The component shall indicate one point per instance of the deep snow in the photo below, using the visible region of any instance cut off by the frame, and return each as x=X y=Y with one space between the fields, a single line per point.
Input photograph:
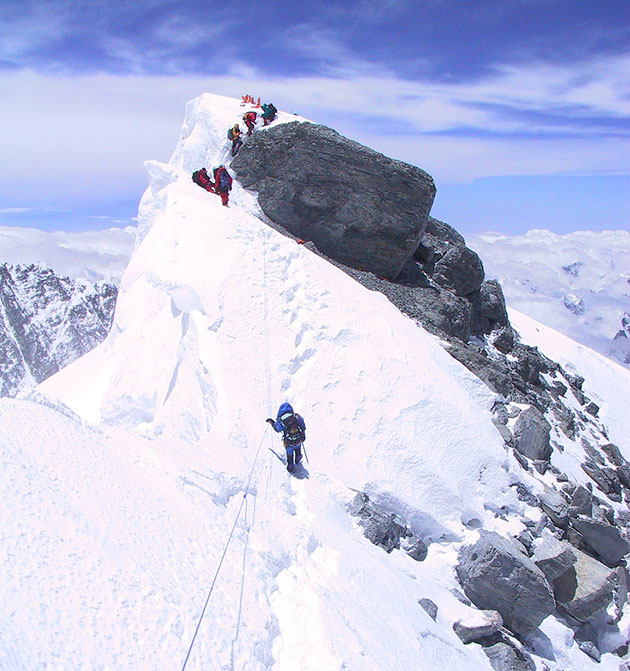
x=124 y=473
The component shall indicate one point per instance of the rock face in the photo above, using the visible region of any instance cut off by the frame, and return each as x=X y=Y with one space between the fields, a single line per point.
x=586 y=588
x=553 y=557
x=496 y=576
x=532 y=435
x=46 y=322
x=602 y=538
x=358 y=206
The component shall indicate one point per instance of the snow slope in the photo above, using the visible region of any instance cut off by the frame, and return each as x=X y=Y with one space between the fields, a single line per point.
x=578 y=284
x=127 y=471
x=98 y=256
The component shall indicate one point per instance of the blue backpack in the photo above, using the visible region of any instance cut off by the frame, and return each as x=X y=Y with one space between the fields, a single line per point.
x=224 y=179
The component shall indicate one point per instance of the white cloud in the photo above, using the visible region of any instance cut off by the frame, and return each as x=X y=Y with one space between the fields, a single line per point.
x=89 y=134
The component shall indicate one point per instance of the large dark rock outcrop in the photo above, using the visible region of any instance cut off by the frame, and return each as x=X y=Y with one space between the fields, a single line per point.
x=358 y=206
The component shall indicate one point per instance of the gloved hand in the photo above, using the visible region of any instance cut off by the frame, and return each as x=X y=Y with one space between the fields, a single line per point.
x=270 y=421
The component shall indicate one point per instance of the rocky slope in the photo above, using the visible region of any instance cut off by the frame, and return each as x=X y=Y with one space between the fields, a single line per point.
x=46 y=322
x=569 y=558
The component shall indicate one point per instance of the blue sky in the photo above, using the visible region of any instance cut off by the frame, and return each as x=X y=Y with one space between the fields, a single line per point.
x=518 y=108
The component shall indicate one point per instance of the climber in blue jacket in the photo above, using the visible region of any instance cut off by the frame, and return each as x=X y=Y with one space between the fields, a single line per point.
x=293 y=430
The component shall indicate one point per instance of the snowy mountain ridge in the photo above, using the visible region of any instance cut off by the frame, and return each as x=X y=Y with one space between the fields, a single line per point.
x=115 y=523
x=47 y=321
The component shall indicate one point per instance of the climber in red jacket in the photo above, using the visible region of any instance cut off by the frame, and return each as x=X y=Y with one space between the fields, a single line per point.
x=222 y=183
x=250 y=121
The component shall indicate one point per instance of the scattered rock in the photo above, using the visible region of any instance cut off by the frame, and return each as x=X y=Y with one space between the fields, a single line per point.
x=460 y=270
x=592 y=409
x=613 y=454
x=495 y=575
x=480 y=624
x=503 y=339
x=504 y=655
x=429 y=606
x=589 y=648
x=623 y=473
x=581 y=503
x=531 y=433
x=523 y=493
x=383 y=529
x=379 y=527
x=605 y=478
x=415 y=547
x=460 y=597
x=592 y=453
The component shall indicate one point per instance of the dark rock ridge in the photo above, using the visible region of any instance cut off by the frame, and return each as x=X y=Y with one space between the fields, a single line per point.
x=358 y=206
x=46 y=322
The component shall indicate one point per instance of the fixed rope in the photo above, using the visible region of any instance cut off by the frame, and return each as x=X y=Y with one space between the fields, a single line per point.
x=225 y=549
x=251 y=473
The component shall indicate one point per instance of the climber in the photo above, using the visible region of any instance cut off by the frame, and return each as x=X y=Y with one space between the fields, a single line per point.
x=222 y=183
x=234 y=134
x=202 y=178
x=250 y=121
x=293 y=430
x=269 y=113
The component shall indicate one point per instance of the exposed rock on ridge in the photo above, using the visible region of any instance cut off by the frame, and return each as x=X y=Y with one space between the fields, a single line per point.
x=358 y=206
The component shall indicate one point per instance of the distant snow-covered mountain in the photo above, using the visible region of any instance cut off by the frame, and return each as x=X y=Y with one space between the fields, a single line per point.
x=57 y=296
x=578 y=283
x=46 y=322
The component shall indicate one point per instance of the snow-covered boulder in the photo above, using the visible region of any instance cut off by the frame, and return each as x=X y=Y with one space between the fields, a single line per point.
x=479 y=624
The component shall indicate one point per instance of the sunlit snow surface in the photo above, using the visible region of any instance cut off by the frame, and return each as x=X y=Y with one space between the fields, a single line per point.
x=578 y=283
x=123 y=474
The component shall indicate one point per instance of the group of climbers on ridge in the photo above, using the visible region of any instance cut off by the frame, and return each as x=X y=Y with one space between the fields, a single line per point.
x=250 y=118
x=222 y=184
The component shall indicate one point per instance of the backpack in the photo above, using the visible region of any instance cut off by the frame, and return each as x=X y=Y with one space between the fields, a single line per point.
x=272 y=107
x=230 y=135
x=293 y=432
x=224 y=179
x=195 y=177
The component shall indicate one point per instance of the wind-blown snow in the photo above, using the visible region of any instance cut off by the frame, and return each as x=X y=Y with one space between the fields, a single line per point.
x=124 y=475
x=578 y=283
x=99 y=256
